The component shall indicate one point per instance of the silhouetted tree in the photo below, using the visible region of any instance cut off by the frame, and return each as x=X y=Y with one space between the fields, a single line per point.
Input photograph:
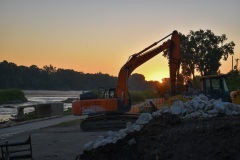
x=137 y=82
x=49 y=69
x=203 y=50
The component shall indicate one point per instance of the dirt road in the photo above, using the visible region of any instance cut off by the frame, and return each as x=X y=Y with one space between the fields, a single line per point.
x=58 y=142
x=34 y=124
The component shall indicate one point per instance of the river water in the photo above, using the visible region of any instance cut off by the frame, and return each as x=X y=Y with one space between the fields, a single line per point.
x=36 y=97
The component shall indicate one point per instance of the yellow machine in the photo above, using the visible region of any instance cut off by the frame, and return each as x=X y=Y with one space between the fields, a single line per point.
x=212 y=86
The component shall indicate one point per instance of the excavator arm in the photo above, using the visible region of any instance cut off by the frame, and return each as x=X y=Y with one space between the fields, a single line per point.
x=109 y=111
x=138 y=59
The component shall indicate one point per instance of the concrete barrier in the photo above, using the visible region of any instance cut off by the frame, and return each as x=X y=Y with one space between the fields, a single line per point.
x=49 y=109
x=43 y=110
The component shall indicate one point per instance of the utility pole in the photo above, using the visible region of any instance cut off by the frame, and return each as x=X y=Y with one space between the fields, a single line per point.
x=236 y=66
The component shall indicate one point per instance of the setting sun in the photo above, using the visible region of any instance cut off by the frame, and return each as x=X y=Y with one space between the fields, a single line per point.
x=157 y=76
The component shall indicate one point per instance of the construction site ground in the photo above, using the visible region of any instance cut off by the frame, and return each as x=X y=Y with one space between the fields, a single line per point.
x=56 y=142
x=169 y=137
x=166 y=137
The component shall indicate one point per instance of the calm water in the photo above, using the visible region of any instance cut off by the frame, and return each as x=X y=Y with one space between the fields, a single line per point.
x=35 y=97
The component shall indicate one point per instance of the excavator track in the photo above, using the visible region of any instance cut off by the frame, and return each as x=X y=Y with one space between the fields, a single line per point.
x=107 y=122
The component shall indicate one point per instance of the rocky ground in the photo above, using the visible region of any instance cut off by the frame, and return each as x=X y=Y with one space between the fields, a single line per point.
x=169 y=137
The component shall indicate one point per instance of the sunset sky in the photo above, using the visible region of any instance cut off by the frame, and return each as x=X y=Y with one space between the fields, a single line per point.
x=99 y=35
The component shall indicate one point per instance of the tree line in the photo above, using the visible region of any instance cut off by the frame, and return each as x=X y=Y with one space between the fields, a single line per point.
x=51 y=78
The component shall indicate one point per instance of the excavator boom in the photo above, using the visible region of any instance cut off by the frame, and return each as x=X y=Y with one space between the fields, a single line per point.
x=138 y=59
x=116 y=102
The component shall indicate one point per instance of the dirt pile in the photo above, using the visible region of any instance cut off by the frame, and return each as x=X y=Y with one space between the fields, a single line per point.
x=170 y=137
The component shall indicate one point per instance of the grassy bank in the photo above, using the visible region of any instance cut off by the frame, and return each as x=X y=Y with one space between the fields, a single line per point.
x=12 y=96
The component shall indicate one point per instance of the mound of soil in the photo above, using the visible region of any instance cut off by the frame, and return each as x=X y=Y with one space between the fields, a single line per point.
x=169 y=137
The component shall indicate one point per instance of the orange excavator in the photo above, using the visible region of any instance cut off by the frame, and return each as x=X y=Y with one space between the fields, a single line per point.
x=109 y=109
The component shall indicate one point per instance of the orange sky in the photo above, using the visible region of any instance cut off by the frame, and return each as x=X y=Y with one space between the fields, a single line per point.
x=99 y=36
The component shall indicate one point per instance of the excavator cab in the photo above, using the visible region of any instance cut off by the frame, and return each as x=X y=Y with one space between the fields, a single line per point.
x=106 y=92
x=215 y=87
x=109 y=93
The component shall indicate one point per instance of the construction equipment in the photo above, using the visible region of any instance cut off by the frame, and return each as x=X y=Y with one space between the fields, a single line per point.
x=111 y=107
x=215 y=87
x=212 y=86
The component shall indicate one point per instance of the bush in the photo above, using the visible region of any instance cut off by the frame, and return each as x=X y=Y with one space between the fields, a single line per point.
x=141 y=96
x=12 y=95
x=30 y=116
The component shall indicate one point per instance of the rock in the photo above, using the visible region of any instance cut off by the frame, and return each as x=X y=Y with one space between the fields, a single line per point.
x=212 y=112
x=184 y=111
x=235 y=113
x=203 y=97
x=137 y=127
x=219 y=106
x=111 y=133
x=129 y=127
x=190 y=111
x=189 y=104
x=167 y=111
x=156 y=114
x=196 y=102
x=232 y=107
x=144 y=118
x=122 y=133
x=202 y=105
x=177 y=110
x=208 y=106
x=89 y=145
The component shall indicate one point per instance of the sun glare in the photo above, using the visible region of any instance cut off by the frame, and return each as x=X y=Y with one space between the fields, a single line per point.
x=160 y=80
x=156 y=75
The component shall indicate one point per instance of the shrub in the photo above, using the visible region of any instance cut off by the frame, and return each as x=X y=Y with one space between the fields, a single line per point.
x=12 y=95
